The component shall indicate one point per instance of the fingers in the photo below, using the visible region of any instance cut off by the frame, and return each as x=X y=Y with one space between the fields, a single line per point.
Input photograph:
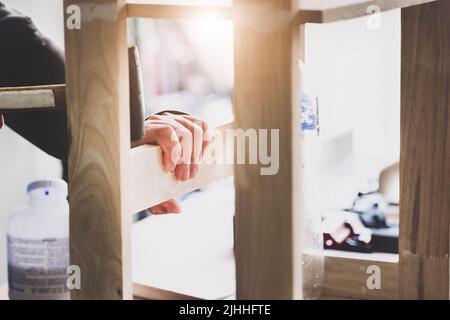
x=205 y=128
x=175 y=141
x=182 y=171
x=196 y=133
x=183 y=140
x=171 y=206
x=165 y=136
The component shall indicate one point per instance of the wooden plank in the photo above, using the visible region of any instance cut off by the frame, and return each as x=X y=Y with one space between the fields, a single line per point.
x=425 y=152
x=323 y=11
x=98 y=116
x=155 y=11
x=32 y=98
x=311 y=11
x=268 y=261
x=152 y=184
x=346 y=276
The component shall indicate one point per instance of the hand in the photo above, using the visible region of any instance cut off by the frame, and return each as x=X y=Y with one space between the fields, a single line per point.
x=183 y=139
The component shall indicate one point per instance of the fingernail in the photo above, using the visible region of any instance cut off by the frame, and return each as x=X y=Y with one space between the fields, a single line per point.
x=186 y=174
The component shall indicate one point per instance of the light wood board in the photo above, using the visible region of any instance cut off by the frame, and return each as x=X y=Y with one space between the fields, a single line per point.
x=152 y=184
x=310 y=11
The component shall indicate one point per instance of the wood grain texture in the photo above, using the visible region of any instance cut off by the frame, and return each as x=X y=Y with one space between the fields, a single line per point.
x=15 y=99
x=152 y=184
x=268 y=261
x=155 y=11
x=425 y=152
x=346 y=276
x=98 y=116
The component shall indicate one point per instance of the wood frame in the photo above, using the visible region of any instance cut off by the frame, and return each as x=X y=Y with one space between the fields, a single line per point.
x=103 y=169
x=249 y=99
x=309 y=11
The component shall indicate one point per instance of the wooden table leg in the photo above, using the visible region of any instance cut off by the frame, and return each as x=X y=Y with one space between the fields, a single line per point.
x=425 y=152
x=98 y=112
x=268 y=253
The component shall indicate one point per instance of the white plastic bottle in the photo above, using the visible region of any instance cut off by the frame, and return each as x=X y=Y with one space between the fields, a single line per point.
x=38 y=244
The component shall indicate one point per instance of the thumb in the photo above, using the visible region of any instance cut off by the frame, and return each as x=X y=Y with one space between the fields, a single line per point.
x=2 y=122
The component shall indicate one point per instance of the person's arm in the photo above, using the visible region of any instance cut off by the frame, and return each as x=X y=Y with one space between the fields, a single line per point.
x=28 y=58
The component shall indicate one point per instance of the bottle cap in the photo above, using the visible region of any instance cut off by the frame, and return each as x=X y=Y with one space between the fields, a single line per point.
x=57 y=185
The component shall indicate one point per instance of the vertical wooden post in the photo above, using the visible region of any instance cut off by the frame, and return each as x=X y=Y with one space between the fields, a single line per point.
x=98 y=113
x=268 y=225
x=425 y=152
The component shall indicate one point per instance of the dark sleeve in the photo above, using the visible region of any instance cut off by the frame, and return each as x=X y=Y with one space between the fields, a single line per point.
x=27 y=58
x=170 y=111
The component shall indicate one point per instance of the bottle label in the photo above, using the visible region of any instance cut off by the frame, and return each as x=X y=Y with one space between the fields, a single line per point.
x=310 y=114
x=37 y=269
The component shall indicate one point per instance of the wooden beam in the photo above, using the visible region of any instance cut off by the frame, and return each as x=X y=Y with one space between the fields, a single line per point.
x=98 y=116
x=311 y=11
x=268 y=259
x=155 y=11
x=152 y=184
x=425 y=152
x=324 y=11
x=32 y=98
x=347 y=275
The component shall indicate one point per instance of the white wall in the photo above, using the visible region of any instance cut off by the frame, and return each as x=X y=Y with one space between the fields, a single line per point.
x=46 y=14
x=355 y=72
x=21 y=162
